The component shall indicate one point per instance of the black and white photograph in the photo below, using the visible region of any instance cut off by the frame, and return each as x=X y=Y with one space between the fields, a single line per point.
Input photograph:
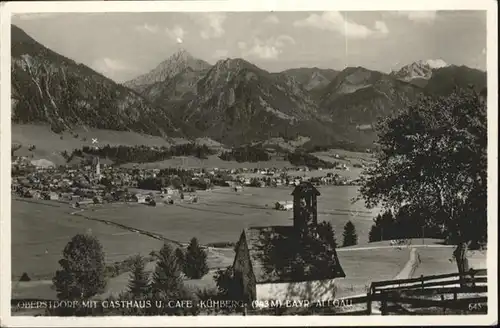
x=249 y=163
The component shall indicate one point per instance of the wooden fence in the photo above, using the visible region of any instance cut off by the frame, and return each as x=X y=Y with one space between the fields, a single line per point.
x=437 y=294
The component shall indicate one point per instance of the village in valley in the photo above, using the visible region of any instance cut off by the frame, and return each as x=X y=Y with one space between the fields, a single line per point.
x=97 y=183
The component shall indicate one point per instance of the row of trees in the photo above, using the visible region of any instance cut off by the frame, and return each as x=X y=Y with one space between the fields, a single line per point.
x=175 y=182
x=142 y=154
x=300 y=158
x=406 y=223
x=83 y=275
x=246 y=154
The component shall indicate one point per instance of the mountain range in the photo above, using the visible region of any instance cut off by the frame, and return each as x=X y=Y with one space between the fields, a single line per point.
x=233 y=101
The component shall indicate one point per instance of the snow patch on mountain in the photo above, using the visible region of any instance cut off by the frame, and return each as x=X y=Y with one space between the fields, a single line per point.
x=421 y=69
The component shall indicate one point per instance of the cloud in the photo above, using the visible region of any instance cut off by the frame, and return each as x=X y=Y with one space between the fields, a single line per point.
x=148 y=28
x=109 y=66
x=176 y=33
x=212 y=25
x=220 y=53
x=381 y=27
x=419 y=16
x=272 y=19
x=266 y=49
x=335 y=21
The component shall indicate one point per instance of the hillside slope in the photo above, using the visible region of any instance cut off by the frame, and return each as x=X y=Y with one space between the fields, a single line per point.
x=236 y=102
x=50 y=88
x=358 y=96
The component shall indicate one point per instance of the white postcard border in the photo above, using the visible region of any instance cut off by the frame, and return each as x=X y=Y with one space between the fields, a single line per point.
x=7 y=9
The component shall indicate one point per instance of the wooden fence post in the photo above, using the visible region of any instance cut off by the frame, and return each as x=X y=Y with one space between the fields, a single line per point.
x=472 y=274
x=422 y=282
x=383 y=304
x=369 y=296
x=444 y=306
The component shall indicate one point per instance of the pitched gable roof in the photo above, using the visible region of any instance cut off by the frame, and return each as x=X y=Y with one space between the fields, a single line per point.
x=274 y=256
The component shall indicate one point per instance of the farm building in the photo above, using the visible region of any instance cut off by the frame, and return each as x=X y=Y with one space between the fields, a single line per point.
x=284 y=206
x=268 y=267
x=84 y=202
x=141 y=199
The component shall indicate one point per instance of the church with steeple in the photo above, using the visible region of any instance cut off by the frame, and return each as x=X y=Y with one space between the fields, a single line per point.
x=271 y=262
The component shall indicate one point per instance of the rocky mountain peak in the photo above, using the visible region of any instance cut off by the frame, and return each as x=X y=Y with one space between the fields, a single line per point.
x=176 y=63
x=420 y=69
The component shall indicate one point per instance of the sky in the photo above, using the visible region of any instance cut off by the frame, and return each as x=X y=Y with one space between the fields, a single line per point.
x=122 y=46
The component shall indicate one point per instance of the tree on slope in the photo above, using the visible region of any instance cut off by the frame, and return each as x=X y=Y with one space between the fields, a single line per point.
x=350 y=235
x=139 y=285
x=327 y=234
x=181 y=258
x=82 y=274
x=167 y=282
x=167 y=278
x=195 y=260
x=432 y=155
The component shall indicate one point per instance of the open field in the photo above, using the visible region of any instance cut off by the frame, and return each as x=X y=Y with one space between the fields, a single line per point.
x=438 y=261
x=40 y=232
x=221 y=214
x=346 y=157
x=41 y=229
x=49 y=144
x=365 y=266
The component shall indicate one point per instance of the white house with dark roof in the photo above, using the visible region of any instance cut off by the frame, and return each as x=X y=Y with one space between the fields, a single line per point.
x=272 y=263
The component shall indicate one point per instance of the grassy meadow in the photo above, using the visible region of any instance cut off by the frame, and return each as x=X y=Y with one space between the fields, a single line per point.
x=41 y=229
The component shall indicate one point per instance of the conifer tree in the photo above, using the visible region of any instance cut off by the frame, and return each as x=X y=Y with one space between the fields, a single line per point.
x=350 y=235
x=167 y=280
x=167 y=283
x=196 y=261
x=139 y=285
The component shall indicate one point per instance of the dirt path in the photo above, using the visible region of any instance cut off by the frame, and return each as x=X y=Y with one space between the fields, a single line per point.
x=410 y=266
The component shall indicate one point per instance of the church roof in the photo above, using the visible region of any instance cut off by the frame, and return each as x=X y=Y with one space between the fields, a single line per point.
x=273 y=254
x=306 y=188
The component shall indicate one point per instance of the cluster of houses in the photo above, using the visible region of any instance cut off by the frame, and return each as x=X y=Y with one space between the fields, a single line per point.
x=97 y=183
x=287 y=180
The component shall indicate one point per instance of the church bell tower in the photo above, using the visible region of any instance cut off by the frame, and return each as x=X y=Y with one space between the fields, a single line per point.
x=305 y=206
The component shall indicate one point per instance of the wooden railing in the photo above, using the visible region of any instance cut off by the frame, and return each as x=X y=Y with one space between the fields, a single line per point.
x=419 y=292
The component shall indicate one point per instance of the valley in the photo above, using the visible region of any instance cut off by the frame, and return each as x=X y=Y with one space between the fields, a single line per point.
x=207 y=150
